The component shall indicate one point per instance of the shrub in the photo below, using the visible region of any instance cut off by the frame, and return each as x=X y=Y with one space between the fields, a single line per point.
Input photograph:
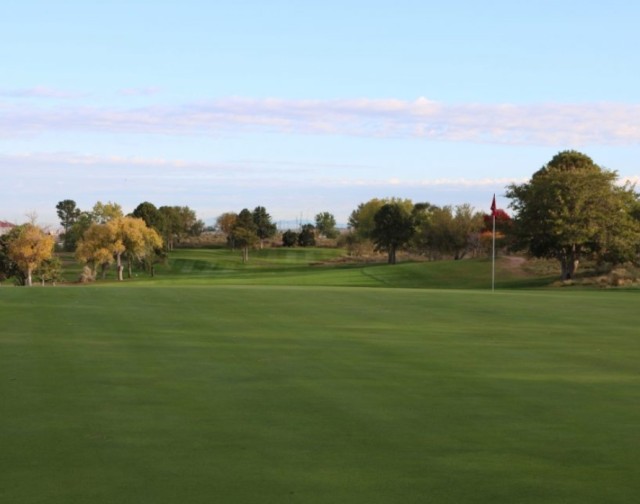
x=289 y=238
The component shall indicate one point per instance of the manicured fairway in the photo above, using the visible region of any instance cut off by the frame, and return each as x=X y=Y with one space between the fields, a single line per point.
x=201 y=394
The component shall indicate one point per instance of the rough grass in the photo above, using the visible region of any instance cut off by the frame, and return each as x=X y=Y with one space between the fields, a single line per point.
x=268 y=394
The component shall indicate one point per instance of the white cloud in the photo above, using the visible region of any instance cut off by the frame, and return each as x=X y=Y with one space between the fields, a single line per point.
x=157 y=169
x=153 y=168
x=41 y=179
x=545 y=124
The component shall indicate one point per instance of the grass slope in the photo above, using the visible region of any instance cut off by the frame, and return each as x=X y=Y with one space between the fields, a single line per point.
x=272 y=394
x=322 y=267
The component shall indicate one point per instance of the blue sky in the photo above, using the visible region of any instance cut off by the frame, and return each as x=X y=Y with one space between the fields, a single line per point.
x=305 y=107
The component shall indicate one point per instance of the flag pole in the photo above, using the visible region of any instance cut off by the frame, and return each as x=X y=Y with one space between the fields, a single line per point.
x=493 y=247
x=493 y=254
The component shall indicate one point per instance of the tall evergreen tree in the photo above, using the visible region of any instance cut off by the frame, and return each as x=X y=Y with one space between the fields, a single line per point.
x=68 y=214
x=264 y=227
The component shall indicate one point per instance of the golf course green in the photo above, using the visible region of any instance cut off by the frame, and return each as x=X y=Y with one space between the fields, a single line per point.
x=296 y=379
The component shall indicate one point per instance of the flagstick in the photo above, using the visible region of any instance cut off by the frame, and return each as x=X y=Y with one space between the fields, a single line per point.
x=493 y=255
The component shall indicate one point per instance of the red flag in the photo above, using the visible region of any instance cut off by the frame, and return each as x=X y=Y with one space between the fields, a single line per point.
x=493 y=206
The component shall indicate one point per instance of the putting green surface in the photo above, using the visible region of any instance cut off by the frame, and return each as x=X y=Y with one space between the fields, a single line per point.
x=199 y=394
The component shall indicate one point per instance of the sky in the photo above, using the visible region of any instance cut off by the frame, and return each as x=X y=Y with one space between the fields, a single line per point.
x=306 y=107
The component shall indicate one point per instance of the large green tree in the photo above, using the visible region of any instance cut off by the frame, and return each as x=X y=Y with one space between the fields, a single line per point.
x=265 y=228
x=326 y=225
x=307 y=236
x=104 y=212
x=362 y=222
x=572 y=208
x=179 y=222
x=150 y=214
x=244 y=233
x=447 y=231
x=77 y=230
x=289 y=238
x=154 y=219
x=68 y=213
x=393 y=228
x=8 y=268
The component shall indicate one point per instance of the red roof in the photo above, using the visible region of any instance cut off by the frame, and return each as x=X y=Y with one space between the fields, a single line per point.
x=5 y=224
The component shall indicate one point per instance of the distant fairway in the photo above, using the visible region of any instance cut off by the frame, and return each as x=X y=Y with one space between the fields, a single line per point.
x=160 y=392
x=325 y=267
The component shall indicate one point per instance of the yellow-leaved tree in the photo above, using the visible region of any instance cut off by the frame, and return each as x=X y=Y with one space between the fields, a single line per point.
x=29 y=249
x=138 y=240
x=96 y=248
x=104 y=244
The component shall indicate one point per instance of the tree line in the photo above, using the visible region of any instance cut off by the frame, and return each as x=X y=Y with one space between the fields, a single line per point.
x=99 y=238
x=248 y=229
x=569 y=210
x=172 y=223
x=390 y=225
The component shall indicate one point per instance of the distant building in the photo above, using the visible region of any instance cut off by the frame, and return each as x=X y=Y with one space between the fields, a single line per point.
x=5 y=227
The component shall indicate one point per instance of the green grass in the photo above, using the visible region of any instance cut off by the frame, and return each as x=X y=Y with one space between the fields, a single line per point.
x=161 y=393
x=322 y=267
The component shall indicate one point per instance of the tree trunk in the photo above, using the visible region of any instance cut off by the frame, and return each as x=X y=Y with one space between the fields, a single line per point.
x=392 y=255
x=569 y=261
x=129 y=266
x=459 y=255
x=119 y=267
x=569 y=267
x=29 y=283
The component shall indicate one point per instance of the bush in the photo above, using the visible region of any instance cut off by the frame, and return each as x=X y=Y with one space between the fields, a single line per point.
x=307 y=236
x=87 y=275
x=356 y=246
x=289 y=238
